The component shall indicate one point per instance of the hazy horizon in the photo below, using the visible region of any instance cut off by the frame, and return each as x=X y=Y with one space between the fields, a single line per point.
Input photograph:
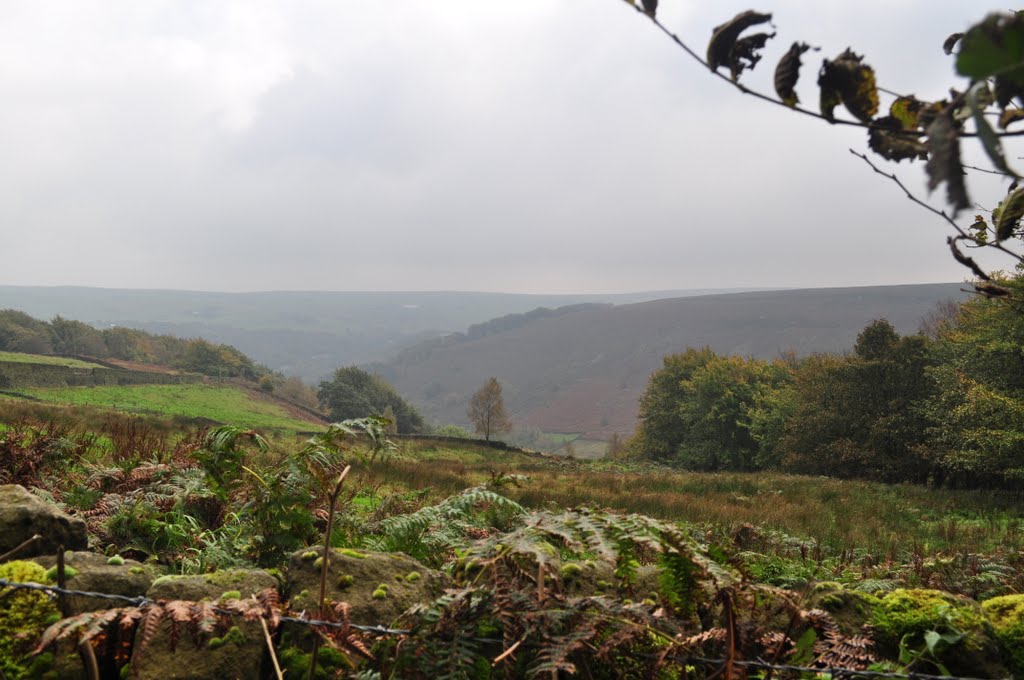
x=248 y=145
x=557 y=293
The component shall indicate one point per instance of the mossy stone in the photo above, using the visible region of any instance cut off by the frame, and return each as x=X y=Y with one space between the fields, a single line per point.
x=354 y=576
x=94 y=572
x=909 y=614
x=24 y=615
x=850 y=609
x=1006 y=614
x=210 y=586
x=238 y=653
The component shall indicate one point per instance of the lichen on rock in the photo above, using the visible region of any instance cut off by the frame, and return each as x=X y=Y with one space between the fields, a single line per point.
x=24 y=615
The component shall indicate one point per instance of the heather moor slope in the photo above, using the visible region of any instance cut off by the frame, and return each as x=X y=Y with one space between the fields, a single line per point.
x=582 y=370
x=305 y=334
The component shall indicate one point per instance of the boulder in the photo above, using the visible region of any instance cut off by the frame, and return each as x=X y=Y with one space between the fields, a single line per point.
x=23 y=515
x=235 y=655
x=101 y=574
x=904 y=617
x=377 y=586
x=1006 y=615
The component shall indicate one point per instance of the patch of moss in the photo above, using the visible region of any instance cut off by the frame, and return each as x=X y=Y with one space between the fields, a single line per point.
x=349 y=552
x=1006 y=614
x=850 y=609
x=413 y=577
x=295 y=663
x=227 y=577
x=345 y=581
x=231 y=595
x=234 y=636
x=115 y=560
x=310 y=555
x=24 y=615
x=914 y=612
x=51 y=573
x=571 y=570
x=136 y=570
x=379 y=594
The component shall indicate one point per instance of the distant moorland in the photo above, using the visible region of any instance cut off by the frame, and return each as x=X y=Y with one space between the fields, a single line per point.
x=584 y=371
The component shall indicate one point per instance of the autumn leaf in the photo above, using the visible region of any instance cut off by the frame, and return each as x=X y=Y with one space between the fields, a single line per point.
x=787 y=72
x=1006 y=216
x=1010 y=116
x=994 y=47
x=950 y=42
x=907 y=110
x=721 y=49
x=1006 y=90
x=888 y=139
x=849 y=81
x=929 y=112
x=944 y=161
x=980 y=229
x=744 y=53
x=978 y=98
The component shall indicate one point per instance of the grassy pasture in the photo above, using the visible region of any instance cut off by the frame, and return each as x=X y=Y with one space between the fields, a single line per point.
x=19 y=358
x=218 y=403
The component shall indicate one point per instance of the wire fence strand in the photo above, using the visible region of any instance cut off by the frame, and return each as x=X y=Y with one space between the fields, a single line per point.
x=834 y=673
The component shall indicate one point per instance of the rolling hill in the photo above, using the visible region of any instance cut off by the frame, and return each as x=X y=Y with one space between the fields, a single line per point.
x=582 y=370
x=305 y=334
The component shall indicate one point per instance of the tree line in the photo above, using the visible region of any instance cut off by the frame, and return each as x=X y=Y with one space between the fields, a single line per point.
x=943 y=406
x=350 y=392
x=20 y=332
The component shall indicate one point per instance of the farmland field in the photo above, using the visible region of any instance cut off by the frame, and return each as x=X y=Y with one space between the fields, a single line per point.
x=20 y=358
x=218 y=403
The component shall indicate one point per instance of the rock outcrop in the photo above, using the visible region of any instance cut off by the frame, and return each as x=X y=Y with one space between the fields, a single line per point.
x=23 y=515
x=235 y=655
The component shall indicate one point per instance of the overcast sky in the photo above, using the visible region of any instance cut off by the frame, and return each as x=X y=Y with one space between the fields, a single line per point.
x=521 y=146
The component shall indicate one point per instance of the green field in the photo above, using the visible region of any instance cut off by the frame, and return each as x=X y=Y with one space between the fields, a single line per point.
x=222 y=404
x=19 y=358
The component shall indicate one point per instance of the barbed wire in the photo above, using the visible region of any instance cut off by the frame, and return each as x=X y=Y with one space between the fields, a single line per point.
x=141 y=601
x=834 y=673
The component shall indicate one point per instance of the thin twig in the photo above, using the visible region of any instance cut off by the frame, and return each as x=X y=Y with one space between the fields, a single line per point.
x=986 y=170
x=963 y=235
x=912 y=197
x=62 y=582
x=270 y=648
x=326 y=558
x=92 y=667
x=778 y=102
x=508 y=652
x=21 y=546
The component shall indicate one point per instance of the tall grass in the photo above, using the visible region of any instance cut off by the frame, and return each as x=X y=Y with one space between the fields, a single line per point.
x=836 y=515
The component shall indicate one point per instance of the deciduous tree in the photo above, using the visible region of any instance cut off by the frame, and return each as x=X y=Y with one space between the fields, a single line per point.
x=487 y=410
x=355 y=393
x=697 y=409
